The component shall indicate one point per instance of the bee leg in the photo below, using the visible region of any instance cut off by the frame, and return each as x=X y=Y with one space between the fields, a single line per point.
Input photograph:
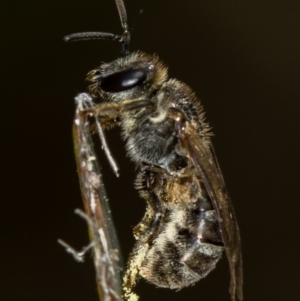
x=131 y=275
x=114 y=110
x=110 y=113
x=148 y=179
x=136 y=260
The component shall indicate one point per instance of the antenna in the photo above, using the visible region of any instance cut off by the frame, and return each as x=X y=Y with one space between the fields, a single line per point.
x=124 y=39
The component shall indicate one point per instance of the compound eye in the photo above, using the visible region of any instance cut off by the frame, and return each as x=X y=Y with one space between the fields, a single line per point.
x=123 y=80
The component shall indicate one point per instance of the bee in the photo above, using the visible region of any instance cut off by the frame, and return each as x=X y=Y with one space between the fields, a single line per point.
x=189 y=218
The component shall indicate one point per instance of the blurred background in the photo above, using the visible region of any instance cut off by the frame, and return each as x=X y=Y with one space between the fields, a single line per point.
x=242 y=58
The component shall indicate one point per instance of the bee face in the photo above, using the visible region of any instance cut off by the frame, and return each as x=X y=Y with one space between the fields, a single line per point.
x=135 y=76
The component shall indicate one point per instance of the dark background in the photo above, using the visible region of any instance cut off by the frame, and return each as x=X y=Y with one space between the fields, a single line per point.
x=242 y=60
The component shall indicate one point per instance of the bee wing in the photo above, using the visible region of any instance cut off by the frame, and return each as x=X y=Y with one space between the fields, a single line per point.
x=205 y=162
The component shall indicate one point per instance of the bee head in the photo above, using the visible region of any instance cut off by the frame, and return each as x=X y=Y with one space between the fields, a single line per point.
x=134 y=76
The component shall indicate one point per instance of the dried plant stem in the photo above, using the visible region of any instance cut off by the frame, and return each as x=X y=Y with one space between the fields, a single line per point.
x=97 y=213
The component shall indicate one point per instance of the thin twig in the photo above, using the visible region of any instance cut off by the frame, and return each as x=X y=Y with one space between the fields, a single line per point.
x=97 y=213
